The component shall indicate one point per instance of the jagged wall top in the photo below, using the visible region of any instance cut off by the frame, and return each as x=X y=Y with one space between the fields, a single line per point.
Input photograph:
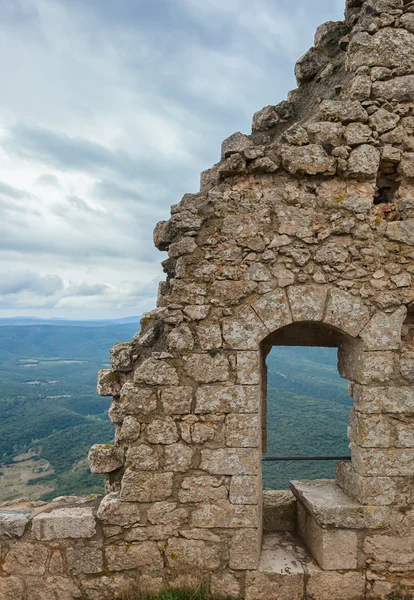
x=352 y=110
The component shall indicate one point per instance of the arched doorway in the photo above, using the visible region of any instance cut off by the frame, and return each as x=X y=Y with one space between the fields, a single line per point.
x=306 y=410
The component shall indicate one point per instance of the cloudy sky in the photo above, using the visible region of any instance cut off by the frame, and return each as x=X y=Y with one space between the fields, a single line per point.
x=110 y=109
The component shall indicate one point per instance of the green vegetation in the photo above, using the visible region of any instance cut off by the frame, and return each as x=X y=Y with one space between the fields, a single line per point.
x=170 y=594
x=48 y=402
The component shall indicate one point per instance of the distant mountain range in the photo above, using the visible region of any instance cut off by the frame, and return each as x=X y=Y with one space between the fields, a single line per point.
x=27 y=321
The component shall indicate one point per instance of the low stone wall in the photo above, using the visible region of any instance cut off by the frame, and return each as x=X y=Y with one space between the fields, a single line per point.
x=76 y=548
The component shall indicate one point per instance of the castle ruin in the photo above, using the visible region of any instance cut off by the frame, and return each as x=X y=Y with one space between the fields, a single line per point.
x=302 y=234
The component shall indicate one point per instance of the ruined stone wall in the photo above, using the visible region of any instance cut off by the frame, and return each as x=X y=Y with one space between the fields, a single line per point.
x=305 y=225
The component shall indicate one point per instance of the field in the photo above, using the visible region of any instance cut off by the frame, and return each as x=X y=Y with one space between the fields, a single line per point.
x=50 y=413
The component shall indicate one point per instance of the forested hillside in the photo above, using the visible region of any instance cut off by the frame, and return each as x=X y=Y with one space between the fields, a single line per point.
x=50 y=413
x=49 y=405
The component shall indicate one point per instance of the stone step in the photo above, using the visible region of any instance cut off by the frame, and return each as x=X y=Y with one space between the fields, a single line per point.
x=288 y=572
x=331 y=507
x=329 y=521
x=279 y=510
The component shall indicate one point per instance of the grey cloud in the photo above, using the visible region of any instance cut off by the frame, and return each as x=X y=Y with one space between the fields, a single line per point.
x=87 y=289
x=79 y=154
x=48 y=179
x=12 y=192
x=29 y=281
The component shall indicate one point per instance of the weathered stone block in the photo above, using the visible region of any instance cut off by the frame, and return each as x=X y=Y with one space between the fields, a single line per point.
x=109 y=383
x=156 y=372
x=388 y=47
x=364 y=162
x=112 y=511
x=236 y=143
x=283 y=579
x=11 y=588
x=167 y=513
x=180 y=338
x=105 y=458
x=334 y=549
x=202 y=489
x=64 y=523
x=307 y=302
x=178 y=457
x=230 y=461
x=145 y=456
x=248 y=368
x=327 y=503
x=121 y=356
x=197 y=554
x=122 y=557
x=376 y=491
x=42 y=588
x=279 y=510
x=357 y=133
x=245 y=330
x=346 y=312
x=85 y=559
x=176 y=400
x=396 y=551
x=224 y=514
x=326 y=585
x=162 y=431
x=244 y=549
x=371 y=431
x=325 y=133
x=381 y=399
x=377 y=462
x=273 y=310
x=209 y=336
x=244 y=489
x=205 y=368
x=398 y=89
x=401 y=231
x=344 y=111
x=383 y=332
x=137 y=400
x=227 y=399
x=129 y=430
x=13 y=522
x=242 y=431
x=223 y=585
x=145 y=486
x=310 y=160
x=367 y=367
x=264 y=119
x=26 y=558
x=407 y=366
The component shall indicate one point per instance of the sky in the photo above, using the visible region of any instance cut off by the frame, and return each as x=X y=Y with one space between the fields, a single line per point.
x=109 y=111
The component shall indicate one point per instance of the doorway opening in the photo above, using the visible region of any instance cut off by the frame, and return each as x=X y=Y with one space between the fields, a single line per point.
x=306 y=411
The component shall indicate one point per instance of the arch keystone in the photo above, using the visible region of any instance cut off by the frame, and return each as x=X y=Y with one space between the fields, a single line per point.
x=307 y=302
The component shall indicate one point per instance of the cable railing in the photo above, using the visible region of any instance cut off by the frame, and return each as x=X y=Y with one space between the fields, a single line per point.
x=292 y=458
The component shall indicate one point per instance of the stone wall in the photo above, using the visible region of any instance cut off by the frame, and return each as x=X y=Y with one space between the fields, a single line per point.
x=304 y=232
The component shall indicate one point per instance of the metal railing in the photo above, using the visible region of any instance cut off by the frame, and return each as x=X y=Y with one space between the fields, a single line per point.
x=289 y=458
